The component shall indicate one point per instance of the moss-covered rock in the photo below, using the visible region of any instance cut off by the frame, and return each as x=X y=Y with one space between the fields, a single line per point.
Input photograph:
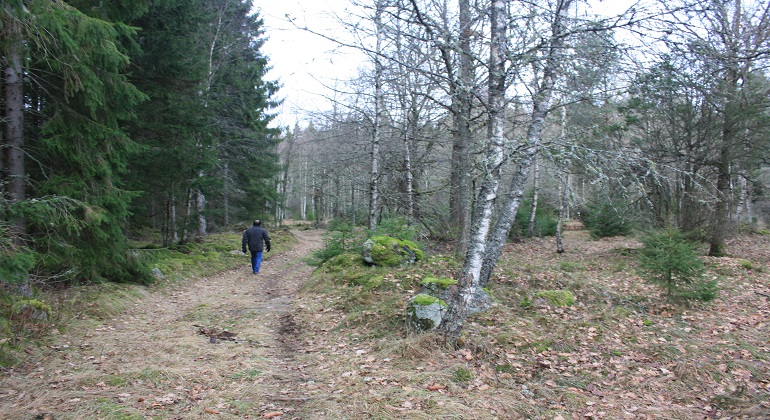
x=424 y=313
x=31 y=309
x=390 y=252
x=437 y=287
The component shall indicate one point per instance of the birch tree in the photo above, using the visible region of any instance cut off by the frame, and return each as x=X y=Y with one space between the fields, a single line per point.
x=548 y=70
x=468 y=297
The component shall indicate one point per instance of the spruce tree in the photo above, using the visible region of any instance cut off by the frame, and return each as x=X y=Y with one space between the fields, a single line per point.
x=77 y=98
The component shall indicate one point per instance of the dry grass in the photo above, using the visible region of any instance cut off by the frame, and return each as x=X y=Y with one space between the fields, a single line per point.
x=330 y=351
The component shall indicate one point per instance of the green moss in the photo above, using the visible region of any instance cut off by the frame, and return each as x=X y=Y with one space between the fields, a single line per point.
x=570 y=267
x=33 y=305
x=392 y=252
x=557 y=297
x=442 y=283
x=424 y=300
x=746 y=264
x=343 y=262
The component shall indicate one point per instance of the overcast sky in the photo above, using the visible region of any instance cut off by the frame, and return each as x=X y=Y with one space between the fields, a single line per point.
x=303 y=62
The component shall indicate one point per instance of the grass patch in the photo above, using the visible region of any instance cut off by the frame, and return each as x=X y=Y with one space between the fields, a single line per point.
x=112 y=410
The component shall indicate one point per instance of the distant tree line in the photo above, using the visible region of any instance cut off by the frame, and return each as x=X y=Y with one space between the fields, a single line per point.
x=654 y=116
x=145 y=118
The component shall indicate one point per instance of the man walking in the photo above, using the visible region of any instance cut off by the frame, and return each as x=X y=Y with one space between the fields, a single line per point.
x=253 y=237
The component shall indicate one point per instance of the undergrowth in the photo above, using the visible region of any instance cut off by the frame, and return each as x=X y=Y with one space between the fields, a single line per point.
x=617 y=332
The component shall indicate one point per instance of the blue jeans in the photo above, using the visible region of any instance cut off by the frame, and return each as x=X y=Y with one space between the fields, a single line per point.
x=256 y=261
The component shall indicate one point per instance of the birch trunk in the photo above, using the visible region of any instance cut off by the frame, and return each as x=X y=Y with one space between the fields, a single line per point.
x=563 y=189
x=560 y=221
x=467 y=297
x=540 y=108
x=535 y=189
x=412 y=133
x=374 y=193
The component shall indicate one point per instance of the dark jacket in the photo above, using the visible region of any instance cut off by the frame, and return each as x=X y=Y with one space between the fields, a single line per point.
x=253 y=237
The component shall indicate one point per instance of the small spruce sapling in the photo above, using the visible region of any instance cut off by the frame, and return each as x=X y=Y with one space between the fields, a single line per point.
x=671 y=261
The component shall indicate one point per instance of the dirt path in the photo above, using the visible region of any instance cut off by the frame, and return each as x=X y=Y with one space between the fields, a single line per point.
x=152 y=361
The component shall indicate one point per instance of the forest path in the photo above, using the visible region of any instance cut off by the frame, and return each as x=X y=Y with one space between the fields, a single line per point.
x=152 y=360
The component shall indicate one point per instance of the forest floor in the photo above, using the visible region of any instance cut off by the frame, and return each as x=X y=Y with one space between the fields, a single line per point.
x=289 y=346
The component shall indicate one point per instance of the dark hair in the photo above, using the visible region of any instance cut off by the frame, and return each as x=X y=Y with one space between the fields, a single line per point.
x=257 y=222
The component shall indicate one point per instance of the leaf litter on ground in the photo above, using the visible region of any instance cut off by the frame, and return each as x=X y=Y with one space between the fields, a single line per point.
x=621 y=351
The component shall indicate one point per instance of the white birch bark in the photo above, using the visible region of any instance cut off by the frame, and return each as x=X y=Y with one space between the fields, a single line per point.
x=379 y=104
x=408 y=135
x=467 y=297
x=535 y=190
x=540 y=109
x=562 y=211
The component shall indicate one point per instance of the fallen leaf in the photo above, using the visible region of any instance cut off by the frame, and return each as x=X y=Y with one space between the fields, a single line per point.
x=436 y=387
x=211 y=411
x=272 y=414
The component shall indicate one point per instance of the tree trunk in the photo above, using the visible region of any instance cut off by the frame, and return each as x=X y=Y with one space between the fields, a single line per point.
x=540 y=108
x=14 y=125
x=563 y=188
x=720 y=223
x=379 y=104
x=560 y=221
x=465 y=297
x=410 y=133
x=226 y=194
x=743 y=209
x=14 y=138
x=286 y=168
x=460 y=188
x=200 y=206
x=533 y=207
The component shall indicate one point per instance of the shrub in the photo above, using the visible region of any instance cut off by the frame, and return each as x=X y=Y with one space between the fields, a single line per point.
x=395 y=227
x=606 y=220
x=671 y=261
x=15 y=263
x=545 y=219
x=340 y=238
